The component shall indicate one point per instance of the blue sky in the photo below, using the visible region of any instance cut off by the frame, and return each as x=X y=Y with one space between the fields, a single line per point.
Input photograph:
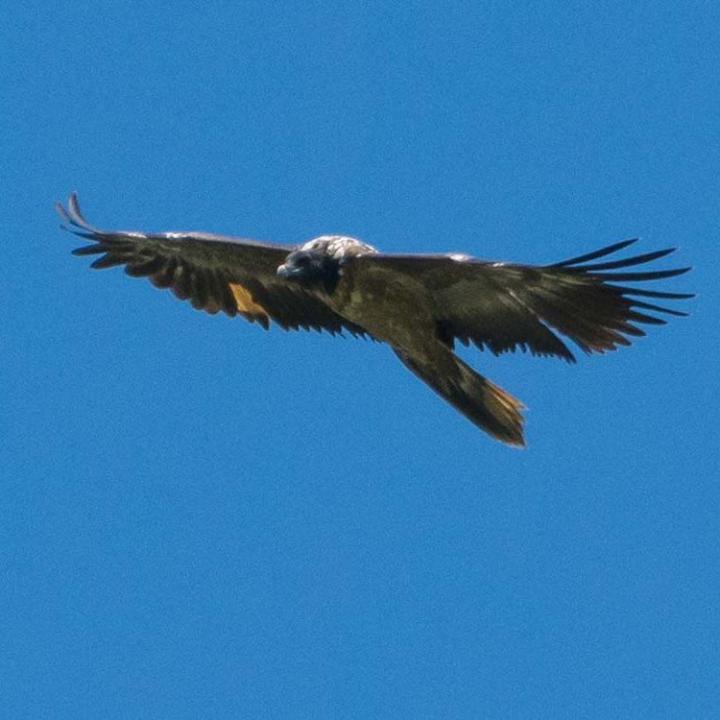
x=201 y=519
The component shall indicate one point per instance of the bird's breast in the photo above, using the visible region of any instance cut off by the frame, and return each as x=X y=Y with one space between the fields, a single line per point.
x=395 y=309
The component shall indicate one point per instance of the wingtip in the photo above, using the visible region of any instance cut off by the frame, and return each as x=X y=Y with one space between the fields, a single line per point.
x=74 y=205
x=73 y=219
x=66 y=220
x=602 y=252
x=74 y=210
x=60 y=210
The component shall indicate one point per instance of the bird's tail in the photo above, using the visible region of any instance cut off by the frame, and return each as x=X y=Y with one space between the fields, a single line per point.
x=481 y=401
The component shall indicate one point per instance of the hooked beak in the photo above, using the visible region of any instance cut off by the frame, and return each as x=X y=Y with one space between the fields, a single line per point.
x=286 y=271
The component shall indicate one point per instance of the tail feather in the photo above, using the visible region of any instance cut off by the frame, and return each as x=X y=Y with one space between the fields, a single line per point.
x=485 y=404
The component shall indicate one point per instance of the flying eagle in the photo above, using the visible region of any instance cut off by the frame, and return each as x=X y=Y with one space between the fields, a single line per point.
x=418 y=304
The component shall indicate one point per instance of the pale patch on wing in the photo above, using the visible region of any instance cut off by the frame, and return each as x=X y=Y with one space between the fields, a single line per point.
x=245 y=303
x=339 y=246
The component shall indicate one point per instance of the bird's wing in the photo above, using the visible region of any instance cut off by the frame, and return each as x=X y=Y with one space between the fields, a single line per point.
x=213 y=272
x=502 y=306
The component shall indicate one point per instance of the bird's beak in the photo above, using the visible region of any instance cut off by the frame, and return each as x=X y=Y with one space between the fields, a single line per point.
x=288 y=272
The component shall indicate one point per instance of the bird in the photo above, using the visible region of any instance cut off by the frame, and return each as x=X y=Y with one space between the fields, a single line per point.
x=421 y=305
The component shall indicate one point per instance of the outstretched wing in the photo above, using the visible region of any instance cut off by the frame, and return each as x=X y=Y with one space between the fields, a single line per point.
x=503 y=306
x=214 y=272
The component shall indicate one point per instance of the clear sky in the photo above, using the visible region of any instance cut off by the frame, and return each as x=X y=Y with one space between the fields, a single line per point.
x=201 y=519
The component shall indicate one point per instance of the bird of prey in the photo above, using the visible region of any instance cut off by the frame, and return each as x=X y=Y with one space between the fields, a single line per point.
x=420 y=305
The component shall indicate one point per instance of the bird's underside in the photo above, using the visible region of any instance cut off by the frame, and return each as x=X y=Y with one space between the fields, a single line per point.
x=418 y=304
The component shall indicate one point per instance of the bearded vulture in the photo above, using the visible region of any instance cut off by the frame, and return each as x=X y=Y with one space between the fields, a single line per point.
x=418 y=304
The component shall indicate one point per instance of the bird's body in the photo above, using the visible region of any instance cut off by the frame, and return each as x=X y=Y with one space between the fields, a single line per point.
x=368 y=297
x=418 y=304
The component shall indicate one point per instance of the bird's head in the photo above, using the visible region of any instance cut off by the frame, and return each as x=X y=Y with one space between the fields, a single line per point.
x=312 y=269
